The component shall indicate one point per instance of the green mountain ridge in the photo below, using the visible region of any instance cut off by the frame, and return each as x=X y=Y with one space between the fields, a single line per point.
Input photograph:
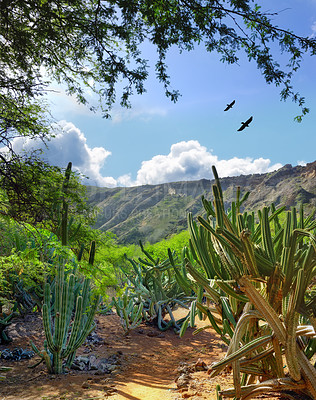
x=154 y=212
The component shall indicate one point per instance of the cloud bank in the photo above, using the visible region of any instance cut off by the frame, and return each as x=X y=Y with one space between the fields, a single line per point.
x=190 y=161
x=187 y=160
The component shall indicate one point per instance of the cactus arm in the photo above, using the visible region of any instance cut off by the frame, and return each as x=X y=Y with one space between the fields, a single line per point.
x=227 y=328
x=48 y=334
x=208 y=207
x=292 y=319
x=218 y=203
x=208 y=313
x=87 y=327
x=70 y=305
x=64 y=220
x=227 y=311
x=230 y=291
x=192 y=313
x=266 y=235
x=75 y=328
x=249 y=254
x=308 y=371
x=62 y=317
x=271 y=385
x=264 y=308
x=58 y=297
x=201 y=280
x=278 y=357
x=85 y=294
x=241 y=352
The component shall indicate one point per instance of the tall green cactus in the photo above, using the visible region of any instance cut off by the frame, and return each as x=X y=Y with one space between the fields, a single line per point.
x=63 y=231
x=64 y=335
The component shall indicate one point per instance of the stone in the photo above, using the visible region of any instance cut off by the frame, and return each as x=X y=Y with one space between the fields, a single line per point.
x=183 y=381
x=200 y=365
x=153 y=334
x=93 y=363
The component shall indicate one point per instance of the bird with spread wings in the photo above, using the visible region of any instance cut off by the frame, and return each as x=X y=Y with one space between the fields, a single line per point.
x=229 y=106
x=245 y=124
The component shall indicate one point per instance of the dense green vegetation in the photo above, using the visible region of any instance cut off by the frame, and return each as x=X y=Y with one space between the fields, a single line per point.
x=27 y=251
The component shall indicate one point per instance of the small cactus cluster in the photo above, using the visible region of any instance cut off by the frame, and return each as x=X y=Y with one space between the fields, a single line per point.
x=152 y=293
x=129 y=312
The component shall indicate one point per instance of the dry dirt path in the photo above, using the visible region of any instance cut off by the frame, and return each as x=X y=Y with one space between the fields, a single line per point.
x=148 y=365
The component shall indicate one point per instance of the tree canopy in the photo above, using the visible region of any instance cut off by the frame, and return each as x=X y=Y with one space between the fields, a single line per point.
x=96 y=44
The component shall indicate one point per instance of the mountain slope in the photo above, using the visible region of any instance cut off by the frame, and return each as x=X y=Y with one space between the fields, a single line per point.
x=153 y=212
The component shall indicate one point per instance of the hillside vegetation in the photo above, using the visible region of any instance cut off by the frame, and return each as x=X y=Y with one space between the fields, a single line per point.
x=154 y=212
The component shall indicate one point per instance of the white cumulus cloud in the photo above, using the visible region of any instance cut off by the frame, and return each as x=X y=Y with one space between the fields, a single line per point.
x=70 y=144
x=189 y=160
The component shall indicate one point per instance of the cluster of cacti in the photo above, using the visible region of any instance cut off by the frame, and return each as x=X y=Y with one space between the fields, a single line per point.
x=64 y=333
x=152 y=293
x=256 y=274
x=128 y=310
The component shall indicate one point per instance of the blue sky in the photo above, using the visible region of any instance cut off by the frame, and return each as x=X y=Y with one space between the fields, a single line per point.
x=158 y=141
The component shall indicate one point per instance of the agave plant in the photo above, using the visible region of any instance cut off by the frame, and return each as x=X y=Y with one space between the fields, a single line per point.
x=259 y=275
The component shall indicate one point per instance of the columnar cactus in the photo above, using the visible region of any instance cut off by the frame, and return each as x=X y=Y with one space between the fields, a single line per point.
x=64 y=335
x=65 y=295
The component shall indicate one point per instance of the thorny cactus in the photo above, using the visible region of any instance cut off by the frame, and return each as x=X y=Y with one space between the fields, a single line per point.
x=129 y=312
x=257 y=274
x=63 y=334
x=152 y=293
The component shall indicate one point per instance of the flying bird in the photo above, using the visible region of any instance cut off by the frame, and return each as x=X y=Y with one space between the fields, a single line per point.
x=245 y=124
x=229 y=106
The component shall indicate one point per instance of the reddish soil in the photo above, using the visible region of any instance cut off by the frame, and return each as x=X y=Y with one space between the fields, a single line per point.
x=151 y=365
